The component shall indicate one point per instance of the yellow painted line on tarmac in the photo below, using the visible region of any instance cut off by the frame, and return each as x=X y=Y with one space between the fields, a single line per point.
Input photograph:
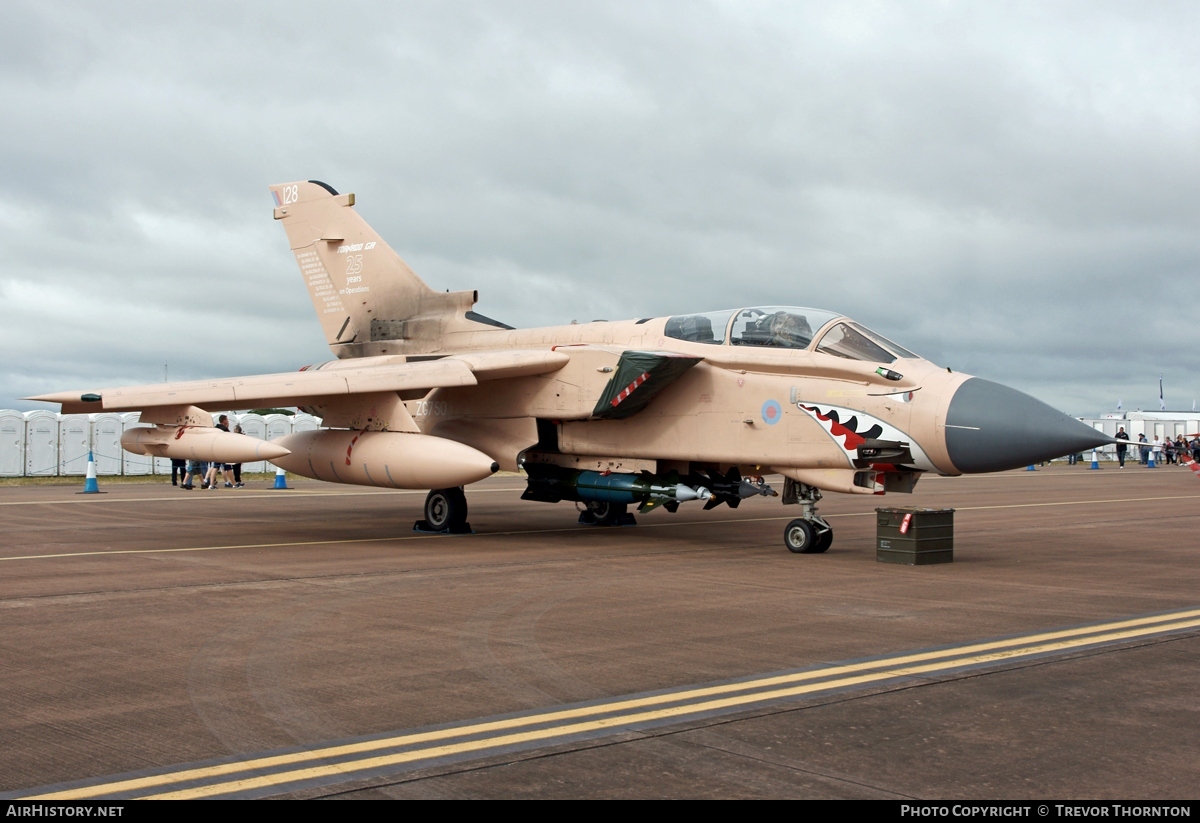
x=573 y=528
x=622 y=713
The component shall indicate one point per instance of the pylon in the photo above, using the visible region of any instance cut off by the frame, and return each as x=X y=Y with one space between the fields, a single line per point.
x=1031 y=468
x=1150 y=461
x=280 y=478
x=1095 y=460
x=90 y=486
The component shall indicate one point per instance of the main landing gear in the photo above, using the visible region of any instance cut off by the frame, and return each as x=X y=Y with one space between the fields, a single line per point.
x=445 y=513
x=808 y=533
x=604 y=513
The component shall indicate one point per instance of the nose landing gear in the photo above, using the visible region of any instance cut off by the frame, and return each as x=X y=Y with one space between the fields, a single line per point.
x=809 y=533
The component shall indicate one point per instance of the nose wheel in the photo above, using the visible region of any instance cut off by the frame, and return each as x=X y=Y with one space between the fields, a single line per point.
x=809 y=533
x=807 y=536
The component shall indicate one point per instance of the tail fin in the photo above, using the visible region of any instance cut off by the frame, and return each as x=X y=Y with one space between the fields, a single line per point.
x=368 y=300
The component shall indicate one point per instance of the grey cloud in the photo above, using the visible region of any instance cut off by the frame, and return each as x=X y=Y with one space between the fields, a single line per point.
x=1008 y=189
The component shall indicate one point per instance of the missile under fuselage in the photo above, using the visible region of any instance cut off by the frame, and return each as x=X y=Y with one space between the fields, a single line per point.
x=210 y=445
x=393 y=460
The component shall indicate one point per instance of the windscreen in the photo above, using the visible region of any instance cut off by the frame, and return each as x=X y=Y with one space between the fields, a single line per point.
x=855 y=342
x=898 y=350
x=843 y=340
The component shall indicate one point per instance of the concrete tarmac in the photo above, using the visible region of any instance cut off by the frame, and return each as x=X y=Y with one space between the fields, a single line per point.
x=308 y=643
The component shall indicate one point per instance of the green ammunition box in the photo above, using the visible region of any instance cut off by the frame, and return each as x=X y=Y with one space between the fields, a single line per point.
x=927 y=539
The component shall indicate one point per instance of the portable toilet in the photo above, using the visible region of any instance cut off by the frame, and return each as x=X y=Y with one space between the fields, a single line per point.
x=106 y=442
x=162 y=465
x=41 y=443
x=277 y=425
x=12 y=443
x=74 y=443
x=136 y=463
x=305 y=423
x=253 y=425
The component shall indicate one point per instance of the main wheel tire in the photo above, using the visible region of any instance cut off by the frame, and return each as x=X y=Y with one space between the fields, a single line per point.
x=445 y=508
x=607 y=514
x=800 y=537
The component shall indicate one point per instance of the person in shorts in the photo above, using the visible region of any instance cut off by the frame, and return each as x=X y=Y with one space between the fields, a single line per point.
x=224 y=469
x=237 y=467
x=195 y=468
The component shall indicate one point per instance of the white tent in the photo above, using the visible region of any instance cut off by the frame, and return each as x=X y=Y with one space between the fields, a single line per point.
x=12 y=443
x=41 y=443
x=75 y=441
x=106 y=442
x=136 y=463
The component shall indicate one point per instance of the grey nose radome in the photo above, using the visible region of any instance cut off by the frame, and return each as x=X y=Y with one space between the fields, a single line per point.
x=991 y=428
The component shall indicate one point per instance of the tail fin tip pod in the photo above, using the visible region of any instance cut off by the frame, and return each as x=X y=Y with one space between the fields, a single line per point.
x=366 y=297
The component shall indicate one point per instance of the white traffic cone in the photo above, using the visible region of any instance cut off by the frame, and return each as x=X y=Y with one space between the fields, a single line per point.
x=1095 y=460
x=280 y=479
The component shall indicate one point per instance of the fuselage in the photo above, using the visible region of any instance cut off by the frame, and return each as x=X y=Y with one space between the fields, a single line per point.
x=802 y=402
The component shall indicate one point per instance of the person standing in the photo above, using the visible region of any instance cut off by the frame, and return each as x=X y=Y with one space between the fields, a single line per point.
x=223 y=469
x=1121 y=435
x=195 y=468
x=237 y=467
x=1143 y=449
x=178 y=470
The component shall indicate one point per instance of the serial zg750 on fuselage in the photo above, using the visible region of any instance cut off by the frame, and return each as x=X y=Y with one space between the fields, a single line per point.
x=658 y=411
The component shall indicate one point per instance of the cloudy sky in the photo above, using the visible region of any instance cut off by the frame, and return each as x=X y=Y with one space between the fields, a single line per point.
x=1008 y=189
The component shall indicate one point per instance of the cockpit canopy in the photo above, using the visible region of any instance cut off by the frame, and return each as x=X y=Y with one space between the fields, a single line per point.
x=786 y=327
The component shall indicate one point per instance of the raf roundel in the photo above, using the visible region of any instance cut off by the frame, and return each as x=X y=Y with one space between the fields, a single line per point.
x=771 y=412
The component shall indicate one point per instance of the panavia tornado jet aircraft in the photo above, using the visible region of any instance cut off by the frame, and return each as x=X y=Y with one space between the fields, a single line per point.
x=654 y=412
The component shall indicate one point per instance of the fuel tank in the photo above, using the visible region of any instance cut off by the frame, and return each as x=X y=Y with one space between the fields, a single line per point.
x=199 y=443
x=393 y=460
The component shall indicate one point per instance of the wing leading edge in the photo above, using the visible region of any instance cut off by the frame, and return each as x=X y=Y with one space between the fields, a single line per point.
x=306 y=387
